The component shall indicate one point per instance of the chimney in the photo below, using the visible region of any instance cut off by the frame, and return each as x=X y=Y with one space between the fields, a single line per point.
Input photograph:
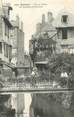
x=21 y=25
x=17 y=21
x=50 y=17
x=38 y=28
x=43 y=19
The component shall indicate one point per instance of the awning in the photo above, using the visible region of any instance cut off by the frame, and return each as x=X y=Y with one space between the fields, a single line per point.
x=42 y=62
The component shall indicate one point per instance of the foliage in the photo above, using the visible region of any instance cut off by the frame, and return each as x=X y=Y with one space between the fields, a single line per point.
x=62 y=63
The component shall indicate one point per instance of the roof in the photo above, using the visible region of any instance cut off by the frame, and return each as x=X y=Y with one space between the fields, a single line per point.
x=7 y=22
x=48 y=27
x=58 y=22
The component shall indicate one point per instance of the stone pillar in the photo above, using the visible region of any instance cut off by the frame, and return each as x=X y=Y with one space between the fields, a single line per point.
x=43 y=19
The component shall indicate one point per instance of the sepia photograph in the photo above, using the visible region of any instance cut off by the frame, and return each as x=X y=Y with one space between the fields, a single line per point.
x=36 y=58
x=36 y=45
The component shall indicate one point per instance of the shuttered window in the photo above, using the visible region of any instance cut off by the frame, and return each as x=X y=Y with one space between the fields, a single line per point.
x=64 y=33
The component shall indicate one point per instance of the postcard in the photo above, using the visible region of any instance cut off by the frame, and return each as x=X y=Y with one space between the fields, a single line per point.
x=36 y=46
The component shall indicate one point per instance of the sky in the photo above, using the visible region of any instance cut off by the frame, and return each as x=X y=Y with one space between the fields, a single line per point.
x=31 y=16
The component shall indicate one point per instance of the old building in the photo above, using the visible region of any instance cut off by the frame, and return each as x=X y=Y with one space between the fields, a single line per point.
x=5 y=26
x=64 y=24
x=17 y=38
x=43 y=42
x=43 y=45
x=5 y=42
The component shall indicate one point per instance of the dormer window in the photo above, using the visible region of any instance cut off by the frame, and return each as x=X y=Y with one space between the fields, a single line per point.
x=64 y=18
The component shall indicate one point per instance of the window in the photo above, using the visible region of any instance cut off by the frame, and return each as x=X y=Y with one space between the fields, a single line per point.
x=64 y=18
x=64 y=33
x=6 y=30
x=0 y=26
x=5 y=50
x=0 y=47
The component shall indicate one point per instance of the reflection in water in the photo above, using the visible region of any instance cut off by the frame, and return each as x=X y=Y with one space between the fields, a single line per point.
x=37 y=105
x=52 y=105
x=27 y=101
